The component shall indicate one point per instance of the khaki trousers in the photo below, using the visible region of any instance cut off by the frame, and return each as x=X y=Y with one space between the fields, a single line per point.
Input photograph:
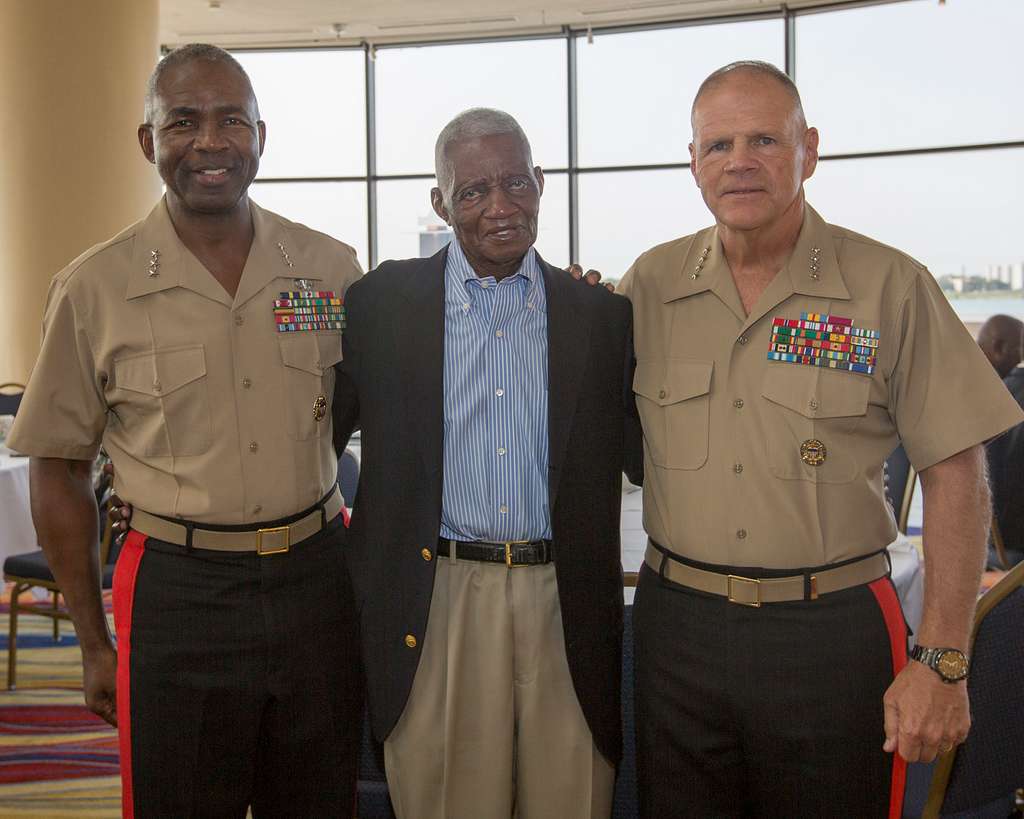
x=492 y=728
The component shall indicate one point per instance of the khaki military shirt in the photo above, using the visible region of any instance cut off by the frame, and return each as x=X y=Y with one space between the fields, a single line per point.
x=206 y=410
x=755 y=460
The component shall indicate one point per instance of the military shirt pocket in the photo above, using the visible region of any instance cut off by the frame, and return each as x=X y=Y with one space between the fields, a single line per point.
x=673 y=398
x=808 y=406
x=309 y=358
x=164 y=401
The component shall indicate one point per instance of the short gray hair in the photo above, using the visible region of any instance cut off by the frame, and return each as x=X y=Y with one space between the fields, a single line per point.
x=472 y=124
x=759 y=67
x=182 y=56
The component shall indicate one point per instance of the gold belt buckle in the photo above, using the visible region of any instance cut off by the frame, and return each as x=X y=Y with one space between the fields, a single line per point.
x=734 y=578
x=280 y=548
x=508 y=554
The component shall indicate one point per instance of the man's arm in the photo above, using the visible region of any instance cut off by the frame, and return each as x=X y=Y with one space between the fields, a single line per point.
x=924 y=715
x=65 y=516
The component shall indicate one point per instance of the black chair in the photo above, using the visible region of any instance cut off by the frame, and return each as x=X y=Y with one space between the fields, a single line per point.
x=348 y=476
x=979 y=779
x=30 y=570
x=10 y=397
x=900 y=478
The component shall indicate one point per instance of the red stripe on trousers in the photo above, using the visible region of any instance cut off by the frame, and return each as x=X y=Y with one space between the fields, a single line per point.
x=885 y=594
x=124 y=599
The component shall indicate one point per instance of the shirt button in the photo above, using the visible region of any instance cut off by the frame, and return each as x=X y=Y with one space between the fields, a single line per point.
x=157 y=386
x=529 y=305
x=503 y=509
x=738 y=403
x=743 y=339
x=741 y=533
x=239 y=319
x=257 y=509
x=410 y=641
x=737 y=468
x=253 y=446
x=465 y=305
x=247 y=382
x=814 y=403
x=501 y=450
x=427 y=555
x=499 y=392
x=662 y=393
x=500 y=334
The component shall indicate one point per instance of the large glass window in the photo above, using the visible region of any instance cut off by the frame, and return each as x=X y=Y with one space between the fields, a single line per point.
x=314 y=104
x=892 y=82
x=635 y=89
x=912 y=75
x=335 y=208
x=420 y=89
x=958 y=213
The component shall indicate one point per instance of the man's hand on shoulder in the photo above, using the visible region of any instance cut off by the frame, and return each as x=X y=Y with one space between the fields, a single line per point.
x=99 y=682
x=924 y=716
x=591 y=277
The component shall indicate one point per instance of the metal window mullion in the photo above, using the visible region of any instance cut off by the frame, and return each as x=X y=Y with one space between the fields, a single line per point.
x=573 y=157
x=789 y=24
x=371 y=155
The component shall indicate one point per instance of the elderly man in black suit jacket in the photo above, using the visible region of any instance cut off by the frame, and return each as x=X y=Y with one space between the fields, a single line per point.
x=493 y=392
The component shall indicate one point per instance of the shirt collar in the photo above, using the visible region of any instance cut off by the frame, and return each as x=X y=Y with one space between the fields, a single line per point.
x=459 y=273
x=811 y=270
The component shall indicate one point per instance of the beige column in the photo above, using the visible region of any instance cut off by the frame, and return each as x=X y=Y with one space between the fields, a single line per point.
x=72 y=79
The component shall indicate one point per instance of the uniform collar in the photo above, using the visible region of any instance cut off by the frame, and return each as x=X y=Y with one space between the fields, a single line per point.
x=160 y=260
x=703 y=267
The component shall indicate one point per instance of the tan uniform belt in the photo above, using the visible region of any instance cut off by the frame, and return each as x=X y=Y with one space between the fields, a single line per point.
x=750 y=591
x=274 y=540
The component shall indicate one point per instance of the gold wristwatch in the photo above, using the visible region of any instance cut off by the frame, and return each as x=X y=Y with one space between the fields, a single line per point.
x=950 y=664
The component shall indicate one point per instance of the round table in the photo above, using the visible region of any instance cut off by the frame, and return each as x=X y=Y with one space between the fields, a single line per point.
x=17 y=534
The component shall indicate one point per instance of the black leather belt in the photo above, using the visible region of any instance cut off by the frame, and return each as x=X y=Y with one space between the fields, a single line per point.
x=514 y=553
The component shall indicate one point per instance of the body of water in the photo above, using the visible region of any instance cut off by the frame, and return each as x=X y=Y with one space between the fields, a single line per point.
x=977 y=310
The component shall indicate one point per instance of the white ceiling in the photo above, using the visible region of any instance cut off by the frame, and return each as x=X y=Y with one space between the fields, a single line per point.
x=237 y=23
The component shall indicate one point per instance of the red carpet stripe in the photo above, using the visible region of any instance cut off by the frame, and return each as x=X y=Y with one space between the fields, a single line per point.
x=889 y=603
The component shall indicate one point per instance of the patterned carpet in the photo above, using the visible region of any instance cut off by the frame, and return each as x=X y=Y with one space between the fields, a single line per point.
x=56 y=758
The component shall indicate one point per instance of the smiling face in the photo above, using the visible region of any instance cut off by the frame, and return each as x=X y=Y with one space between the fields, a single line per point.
x=206 y=137
x=495 y=201
x=751 y=152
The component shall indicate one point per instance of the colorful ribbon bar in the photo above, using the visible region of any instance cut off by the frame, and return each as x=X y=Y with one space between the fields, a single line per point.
x=821 y=340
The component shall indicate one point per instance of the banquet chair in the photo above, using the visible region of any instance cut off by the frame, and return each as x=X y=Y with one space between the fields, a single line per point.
x=30 y=570
x=10 y=397
x=979 y=779
x=996 y=536
x=900 y=478
x=348 y=476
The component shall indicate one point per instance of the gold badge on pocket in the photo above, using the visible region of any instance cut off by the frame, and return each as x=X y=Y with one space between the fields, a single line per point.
x=319 y=408
x=813 y=452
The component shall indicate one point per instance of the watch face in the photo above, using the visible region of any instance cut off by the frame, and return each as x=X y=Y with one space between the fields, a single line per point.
x=952 y=665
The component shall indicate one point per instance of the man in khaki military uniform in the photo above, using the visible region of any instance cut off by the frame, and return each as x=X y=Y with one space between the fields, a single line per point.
x=779 y=360
x=197 y=347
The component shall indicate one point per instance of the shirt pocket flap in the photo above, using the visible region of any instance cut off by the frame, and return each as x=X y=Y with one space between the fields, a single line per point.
x=309 y=352
x=816 y=393
x=162 y=372
x=669 y=382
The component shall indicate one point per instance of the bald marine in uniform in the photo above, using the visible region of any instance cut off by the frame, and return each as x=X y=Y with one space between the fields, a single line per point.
x=779 y=361
x=197 y=347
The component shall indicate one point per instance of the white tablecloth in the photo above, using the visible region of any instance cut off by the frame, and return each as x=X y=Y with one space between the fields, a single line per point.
x=17 y=535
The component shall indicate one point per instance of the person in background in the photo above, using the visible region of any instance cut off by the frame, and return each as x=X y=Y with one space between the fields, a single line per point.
x=492 y=392
x=778 y=361
x=1001 y=338
x=198 y=347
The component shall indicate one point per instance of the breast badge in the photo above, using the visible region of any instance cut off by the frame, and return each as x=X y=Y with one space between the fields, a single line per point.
x=813 y=452
x=319 y=408
x=824 y=341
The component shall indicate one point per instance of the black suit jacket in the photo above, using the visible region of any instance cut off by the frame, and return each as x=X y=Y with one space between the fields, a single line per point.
x=391 y=383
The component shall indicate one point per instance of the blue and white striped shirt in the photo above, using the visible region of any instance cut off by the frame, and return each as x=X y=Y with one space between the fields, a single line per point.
x=495 y=403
